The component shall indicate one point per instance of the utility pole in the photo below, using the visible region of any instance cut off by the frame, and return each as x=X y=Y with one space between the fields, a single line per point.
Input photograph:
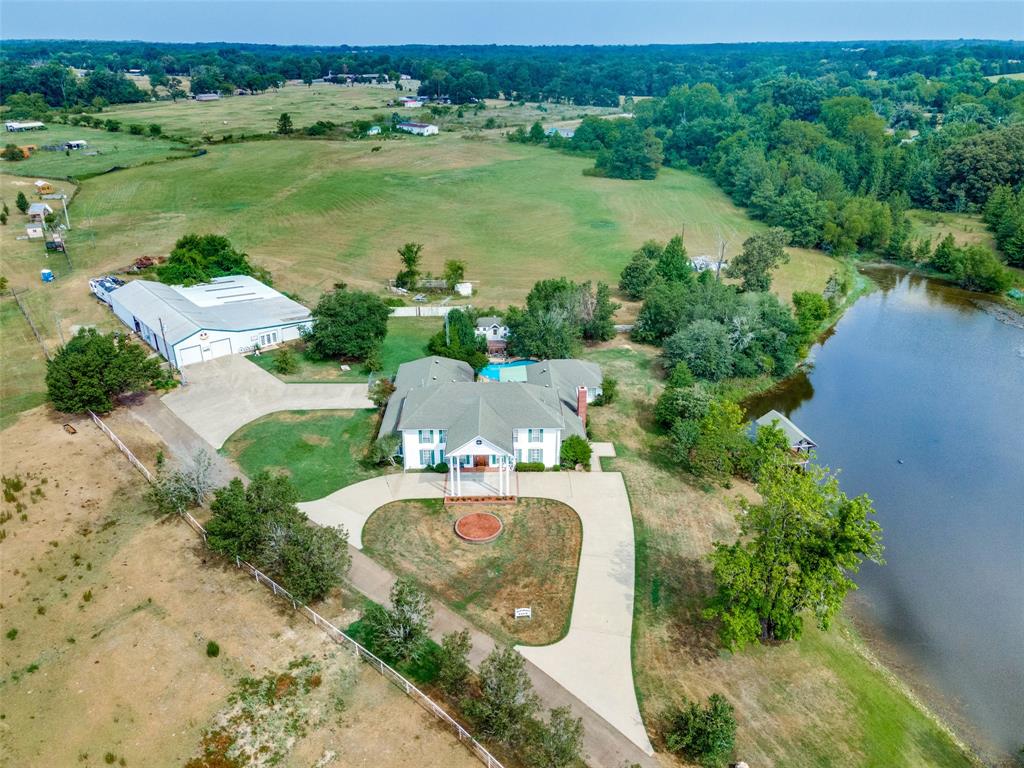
x=721 y=258
x=447 y=336
x=64 y=202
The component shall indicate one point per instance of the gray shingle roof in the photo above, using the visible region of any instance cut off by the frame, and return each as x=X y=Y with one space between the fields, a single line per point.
x=439 y=393
x=478 y=409
x=564 y=377
x=488 y=321
x=424 y=372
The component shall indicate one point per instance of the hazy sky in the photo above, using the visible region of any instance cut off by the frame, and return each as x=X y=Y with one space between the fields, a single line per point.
x=329 y=22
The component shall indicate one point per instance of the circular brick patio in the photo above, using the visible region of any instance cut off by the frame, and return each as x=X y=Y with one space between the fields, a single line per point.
x=478 y=527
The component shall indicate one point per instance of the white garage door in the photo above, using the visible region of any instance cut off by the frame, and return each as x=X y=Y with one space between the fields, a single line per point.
x=190 y=355
x=220 y=347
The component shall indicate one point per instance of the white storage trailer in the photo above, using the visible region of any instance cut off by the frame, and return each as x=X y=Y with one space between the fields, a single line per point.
x=228 y=315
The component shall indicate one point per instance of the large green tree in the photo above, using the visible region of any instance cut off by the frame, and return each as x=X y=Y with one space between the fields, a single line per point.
x=634 y=154
x=507 y=701
x=199 y=258
x=797 y=551
x=262 y=525
x=93 y=368
x=761 y=254
x=347 y=325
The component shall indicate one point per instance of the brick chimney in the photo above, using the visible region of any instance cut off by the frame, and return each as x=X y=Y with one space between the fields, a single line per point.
x=581 y=404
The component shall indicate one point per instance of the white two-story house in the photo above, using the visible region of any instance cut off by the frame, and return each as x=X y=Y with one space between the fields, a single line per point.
x=495 y=331
x=443 y=415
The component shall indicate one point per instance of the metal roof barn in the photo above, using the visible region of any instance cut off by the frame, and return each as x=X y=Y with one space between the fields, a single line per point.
x=228 y=315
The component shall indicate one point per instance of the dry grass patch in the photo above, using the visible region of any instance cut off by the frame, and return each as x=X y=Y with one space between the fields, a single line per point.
x=532 y=563
x=124 y=671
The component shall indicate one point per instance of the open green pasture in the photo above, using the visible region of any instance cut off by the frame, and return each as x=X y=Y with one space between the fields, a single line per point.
x=106 y=150
x=235 y=115
x=317 y=212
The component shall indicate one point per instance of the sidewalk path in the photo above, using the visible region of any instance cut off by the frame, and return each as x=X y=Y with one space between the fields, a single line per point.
x=225 y=394
x=593 y=661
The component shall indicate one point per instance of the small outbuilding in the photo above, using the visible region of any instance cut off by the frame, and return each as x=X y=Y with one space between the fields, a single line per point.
x=228 y=315
x=565 y=133
x=76 y=144
x=373 y=130
x=37 y=212
x=799 y=443
x=420 y=129
x=34 y=232
x=207 y=97
x=14 y=126
x=43 y=187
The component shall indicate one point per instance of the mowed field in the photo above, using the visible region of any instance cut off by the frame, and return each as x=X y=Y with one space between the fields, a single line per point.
x=106 y=150
x=236 y=115
x=317 y=212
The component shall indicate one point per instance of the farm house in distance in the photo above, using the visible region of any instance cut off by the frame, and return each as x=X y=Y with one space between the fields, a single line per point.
x=228 y=315
x=420 y=129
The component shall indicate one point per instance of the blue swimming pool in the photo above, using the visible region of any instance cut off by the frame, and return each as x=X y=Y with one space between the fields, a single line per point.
x=506 y=371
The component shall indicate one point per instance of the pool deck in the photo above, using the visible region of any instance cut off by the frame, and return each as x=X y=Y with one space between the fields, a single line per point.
x=506 y=371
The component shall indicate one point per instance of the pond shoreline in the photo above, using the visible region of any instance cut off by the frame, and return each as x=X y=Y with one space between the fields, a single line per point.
x=907 y=669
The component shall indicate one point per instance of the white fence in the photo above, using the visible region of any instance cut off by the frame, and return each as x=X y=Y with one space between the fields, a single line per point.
x=332 y=631
x=430 y=311
x=122 y=447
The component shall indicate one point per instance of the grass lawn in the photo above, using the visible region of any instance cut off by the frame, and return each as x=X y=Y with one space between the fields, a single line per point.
x=406 y=340
x=24 y=365
x=533 y=562
x=815 y=702
x=321 y=451
x=965 y=227
x=237 y=115
x=120 y=149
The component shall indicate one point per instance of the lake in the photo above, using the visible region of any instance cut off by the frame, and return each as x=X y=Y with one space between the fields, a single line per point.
x=918 y=396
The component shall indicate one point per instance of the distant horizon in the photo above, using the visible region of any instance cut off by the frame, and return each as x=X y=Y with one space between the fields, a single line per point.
x=512 y=22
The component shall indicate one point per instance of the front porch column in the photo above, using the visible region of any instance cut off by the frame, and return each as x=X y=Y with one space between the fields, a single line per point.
x=501 y=475
x=451 y=479
x=458 y=476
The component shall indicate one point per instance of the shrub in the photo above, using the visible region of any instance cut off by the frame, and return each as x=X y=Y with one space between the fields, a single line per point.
x=285 y=362
x=155 y=129
x=12 y=153
x=454 y=662
x=705 y=735
x=381 y=391
x=383 y=450
x=609 y=391
x=212 y=649
x=507 y=701
x=530 y=466
x=441 y=468
x=401 y=633
x=136 y=130
x=556 y=744
x=12 y=633
x=575 y=451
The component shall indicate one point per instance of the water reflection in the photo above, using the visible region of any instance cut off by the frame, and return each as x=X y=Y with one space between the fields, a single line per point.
x=919 y=397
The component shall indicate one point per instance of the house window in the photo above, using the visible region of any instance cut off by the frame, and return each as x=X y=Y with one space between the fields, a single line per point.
x=536 y=455
x=440 y=455
x=443 y=436
x=426 y=436
x=426 y=458
x=535 y=435
x=493 y=459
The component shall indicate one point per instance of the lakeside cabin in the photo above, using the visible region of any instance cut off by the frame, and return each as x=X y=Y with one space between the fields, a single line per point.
x=800 y=445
